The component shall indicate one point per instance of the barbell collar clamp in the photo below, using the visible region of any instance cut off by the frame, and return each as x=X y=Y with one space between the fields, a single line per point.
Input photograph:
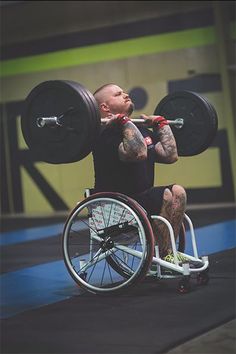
x=54 y=121
x=51 y=122
x=178 y=123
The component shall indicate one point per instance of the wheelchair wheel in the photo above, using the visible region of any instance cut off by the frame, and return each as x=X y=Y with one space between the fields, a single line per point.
x=108 y=243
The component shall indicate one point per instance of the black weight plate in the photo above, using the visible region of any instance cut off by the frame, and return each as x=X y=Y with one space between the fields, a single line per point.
x=91 y=123
x=199 y=121
x=95 y=113
x=95 y=119
x=63 y=144
x=213 y=122
x=214 y=118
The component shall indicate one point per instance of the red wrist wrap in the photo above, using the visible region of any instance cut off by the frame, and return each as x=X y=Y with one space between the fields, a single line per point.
x=160 y=121
x=122 y=119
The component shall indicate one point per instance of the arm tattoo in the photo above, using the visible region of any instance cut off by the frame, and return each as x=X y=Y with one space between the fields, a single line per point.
x=166 y=148
x=133 y=147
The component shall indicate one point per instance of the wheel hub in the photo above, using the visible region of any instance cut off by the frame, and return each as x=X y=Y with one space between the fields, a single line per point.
x=107 y=244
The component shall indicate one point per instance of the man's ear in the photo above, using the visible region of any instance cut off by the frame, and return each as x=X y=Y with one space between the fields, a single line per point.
x=104 y=107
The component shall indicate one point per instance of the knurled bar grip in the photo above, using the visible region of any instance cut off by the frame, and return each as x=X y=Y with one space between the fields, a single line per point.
x=178 y=122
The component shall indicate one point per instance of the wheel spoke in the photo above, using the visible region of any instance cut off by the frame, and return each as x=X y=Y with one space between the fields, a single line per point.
x=109 y=217
x=123 y=263
x=104 y=269
x=103 y=215
x=109 y=269
x=92 y=261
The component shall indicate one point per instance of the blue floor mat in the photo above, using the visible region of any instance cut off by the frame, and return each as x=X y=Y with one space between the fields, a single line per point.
x=47 y=283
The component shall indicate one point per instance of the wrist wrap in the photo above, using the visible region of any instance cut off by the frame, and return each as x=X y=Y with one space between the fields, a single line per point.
x=122 y=119
x=160 y=122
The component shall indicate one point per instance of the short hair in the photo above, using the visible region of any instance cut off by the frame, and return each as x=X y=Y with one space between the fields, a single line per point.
x=102 y=87
x=98 y=91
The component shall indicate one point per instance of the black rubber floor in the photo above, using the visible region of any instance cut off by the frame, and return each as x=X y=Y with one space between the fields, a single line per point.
x=149 y=318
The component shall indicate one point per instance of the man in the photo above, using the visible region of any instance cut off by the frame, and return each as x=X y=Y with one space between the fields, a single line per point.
x=124 y=158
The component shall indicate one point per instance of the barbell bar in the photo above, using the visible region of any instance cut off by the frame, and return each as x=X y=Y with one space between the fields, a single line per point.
x=61 y=120
x=55 y=122
x=178 y=122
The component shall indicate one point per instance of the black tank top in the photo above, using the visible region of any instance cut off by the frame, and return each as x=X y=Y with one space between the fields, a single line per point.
x=113 y=175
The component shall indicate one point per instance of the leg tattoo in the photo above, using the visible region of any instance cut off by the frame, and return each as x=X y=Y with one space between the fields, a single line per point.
x=173 y=208
x=179 y=206
x=160 y=230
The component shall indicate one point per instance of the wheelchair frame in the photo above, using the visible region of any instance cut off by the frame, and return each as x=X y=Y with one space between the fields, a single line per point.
x=103 y=248
x=184 y=269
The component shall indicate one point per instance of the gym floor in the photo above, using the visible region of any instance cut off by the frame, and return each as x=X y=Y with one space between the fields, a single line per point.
x=44 y=311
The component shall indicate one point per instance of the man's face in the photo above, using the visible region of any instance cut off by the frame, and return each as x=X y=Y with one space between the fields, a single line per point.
x=117 y=100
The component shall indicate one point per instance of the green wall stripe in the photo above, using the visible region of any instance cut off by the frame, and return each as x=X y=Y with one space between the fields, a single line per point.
x=110 y=51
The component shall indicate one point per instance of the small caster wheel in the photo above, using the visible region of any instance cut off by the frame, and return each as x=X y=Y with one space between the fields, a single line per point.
x=184 y=286
x=203 y=278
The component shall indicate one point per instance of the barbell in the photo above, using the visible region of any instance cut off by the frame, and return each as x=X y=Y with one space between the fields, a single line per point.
x=58 y=121
x=61 y=120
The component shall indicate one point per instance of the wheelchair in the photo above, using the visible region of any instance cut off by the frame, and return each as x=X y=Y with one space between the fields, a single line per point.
x=108 y=245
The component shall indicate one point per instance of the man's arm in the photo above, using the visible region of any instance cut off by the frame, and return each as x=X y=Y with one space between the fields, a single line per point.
x=133 y=147
x=166 y=149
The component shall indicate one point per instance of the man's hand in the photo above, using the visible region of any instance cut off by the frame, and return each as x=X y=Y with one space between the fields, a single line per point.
x=110 y=119
x=118 y=119
x=166 y=149
x=154 y=121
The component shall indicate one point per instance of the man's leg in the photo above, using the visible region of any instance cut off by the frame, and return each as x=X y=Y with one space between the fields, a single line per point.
x=160 y=229
x=173 y=208
x=178 y=208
